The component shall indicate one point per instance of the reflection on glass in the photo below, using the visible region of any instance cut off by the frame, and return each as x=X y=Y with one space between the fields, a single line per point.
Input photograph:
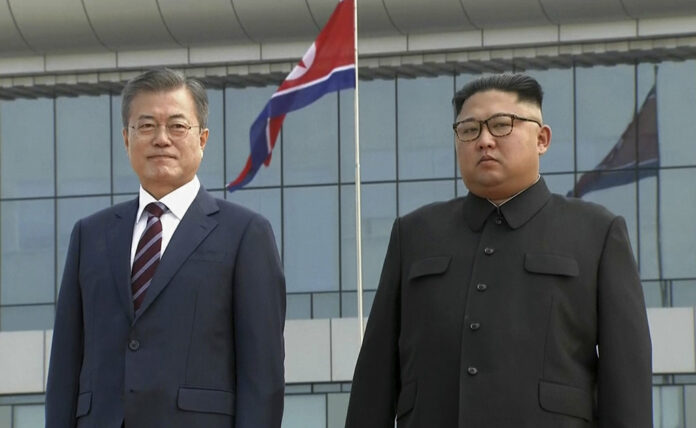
x=676 y=102
x=378 y=203
x=26 y=145
x=310 y=143
x=677 y=230
x=416 y=194
x=601 y=124
x=311 y=239
x=70 y=210
x=29 y=317
x=242 y=106
x=304 y=411
x=211 y=171
x=124 y=178
x=83 y=144
x=377 y=131
x=28 y=265
x=425 y=138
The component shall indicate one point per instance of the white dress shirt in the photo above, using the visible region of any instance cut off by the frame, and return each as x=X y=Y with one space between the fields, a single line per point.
x=177 y=202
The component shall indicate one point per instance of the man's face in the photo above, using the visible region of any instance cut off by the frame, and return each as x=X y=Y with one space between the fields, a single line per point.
x=499 y=167
x=164 y=162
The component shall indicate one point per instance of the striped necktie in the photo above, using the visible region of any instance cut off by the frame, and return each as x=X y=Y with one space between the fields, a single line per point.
x=147 y=254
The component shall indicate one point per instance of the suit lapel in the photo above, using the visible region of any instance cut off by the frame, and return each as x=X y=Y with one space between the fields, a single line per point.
x=192 y=229
x=119 y=236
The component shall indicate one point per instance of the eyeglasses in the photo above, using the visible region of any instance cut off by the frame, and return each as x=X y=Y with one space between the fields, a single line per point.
x=175 y=130
x=499 y=125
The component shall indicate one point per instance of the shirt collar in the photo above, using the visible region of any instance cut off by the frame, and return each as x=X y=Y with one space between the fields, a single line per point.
x=517 y=211
x=177 y=201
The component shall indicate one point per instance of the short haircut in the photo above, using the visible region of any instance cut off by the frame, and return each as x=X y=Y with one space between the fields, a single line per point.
x=526 y=88
x=163 y=80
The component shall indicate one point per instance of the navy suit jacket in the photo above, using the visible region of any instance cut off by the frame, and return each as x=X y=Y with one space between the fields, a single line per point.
x=206 y=347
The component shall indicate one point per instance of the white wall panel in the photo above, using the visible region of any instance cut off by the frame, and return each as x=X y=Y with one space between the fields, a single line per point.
x=21 y=362
x=307 y=351
x=345 y=346
x=672 y=333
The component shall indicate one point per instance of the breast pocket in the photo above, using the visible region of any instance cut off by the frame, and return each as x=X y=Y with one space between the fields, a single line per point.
x=551 y=264
x=429 y=266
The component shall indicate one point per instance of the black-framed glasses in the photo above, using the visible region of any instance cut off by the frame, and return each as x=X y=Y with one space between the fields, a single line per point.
x=175 y=130
x=499 y=125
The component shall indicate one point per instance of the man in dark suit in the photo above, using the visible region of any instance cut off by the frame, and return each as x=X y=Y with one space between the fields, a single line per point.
x=511 y=307
x=172 y=306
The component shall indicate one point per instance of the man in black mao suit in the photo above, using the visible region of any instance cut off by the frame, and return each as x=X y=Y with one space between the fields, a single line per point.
x=511 y=307
x=183 y=329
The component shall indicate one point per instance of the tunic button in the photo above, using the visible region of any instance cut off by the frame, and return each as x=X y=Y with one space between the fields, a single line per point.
x=481 y=287
x=474 y=326
x=133 y=345
x=488 y=251
x=473 y=371
x=498 y=220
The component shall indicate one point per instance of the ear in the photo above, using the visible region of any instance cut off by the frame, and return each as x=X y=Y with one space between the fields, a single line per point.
x=543 y=139
x=126 y=142
x=203 y=138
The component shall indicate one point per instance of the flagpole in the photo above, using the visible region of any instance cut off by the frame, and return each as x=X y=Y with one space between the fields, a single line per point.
x=358 y=216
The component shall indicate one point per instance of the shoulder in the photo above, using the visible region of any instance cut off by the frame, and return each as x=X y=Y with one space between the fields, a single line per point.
x=579 y=207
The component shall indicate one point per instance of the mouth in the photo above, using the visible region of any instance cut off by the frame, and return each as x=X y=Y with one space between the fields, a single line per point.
x=487 y=159
x=161 y=156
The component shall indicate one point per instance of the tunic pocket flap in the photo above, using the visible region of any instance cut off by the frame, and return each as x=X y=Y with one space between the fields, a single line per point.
x=206 y=400
x=565 y=399
x=407 y=399
x=429 y=266
x=551 y=264
x=84 y=404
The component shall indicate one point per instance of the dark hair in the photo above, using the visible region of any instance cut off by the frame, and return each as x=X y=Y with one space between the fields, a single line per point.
x=165 y=79
x=526 y=88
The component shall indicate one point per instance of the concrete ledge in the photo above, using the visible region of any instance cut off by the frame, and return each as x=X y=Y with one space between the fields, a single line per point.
x=325 y=350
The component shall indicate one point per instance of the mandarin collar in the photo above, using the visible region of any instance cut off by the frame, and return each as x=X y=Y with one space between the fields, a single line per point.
x=516 y=211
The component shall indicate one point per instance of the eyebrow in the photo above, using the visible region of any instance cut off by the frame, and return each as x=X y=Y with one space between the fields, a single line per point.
x=174 y=116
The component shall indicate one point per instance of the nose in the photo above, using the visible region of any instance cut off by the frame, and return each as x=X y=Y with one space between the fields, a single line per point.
x=161 y=137
x=485 y=139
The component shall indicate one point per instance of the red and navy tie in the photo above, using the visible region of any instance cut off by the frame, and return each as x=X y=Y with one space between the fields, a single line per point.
x=147 y=255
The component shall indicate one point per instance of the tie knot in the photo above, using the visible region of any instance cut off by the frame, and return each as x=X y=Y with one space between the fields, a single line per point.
x=156 y=209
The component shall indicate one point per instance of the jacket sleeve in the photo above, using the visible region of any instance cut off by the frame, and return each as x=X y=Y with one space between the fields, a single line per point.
x=624 y=396
x=67 y=344
x=259 y=321
x=376 y=383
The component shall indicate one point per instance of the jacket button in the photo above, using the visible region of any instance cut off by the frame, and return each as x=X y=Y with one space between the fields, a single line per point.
x=133 y=345
x=498 y=220
x=488 y=251
x=473 y=371
x=475 y=326
x=481 y=287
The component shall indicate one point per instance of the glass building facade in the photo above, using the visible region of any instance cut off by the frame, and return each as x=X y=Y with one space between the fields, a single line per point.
x=63 y=158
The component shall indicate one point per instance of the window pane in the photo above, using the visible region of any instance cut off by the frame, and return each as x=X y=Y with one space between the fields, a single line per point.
x=124 y=178
x=28 y=416
x=70 y=210
x=28 y=266
x=678 y=229
x=212 y=166
x=425 y=138
x=299 y=306
x=311 y=239
x=337 y=406
x=558 y=113
x=83 y=142
x=559 y=183
x=304 y=411
x=33 y=317
x=310 y=143
x=600 y=125
x=265 y=202
x=620 y=200
x=684 y=293
x=242 y=106
x=676 y=103
x=26 y=144
x=378 y=204
x=377 y=131
x=417 y=194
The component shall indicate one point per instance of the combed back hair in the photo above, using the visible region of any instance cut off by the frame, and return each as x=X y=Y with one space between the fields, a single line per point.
x=164 y=80
x=527 y=89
